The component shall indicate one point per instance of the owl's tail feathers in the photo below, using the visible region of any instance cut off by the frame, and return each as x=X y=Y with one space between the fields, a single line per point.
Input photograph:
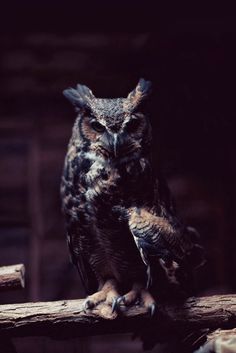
x=196 y=255
x=196 y=258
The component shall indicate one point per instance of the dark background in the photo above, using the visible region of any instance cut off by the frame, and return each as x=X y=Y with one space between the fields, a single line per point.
x=189 y=55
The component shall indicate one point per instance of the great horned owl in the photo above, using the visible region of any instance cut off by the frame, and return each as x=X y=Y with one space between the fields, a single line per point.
x=123 y=232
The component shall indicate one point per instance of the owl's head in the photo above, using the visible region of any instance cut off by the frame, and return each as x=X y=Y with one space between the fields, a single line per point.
x=113 y=127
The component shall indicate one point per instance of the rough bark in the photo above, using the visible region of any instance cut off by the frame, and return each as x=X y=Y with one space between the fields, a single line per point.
x=221 y=333
x=12 y=277
x=219 y=341
x=67 y=318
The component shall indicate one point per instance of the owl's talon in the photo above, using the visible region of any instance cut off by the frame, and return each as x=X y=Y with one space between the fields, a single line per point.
x=152 y=309
x=121 y=300
x=115 y=305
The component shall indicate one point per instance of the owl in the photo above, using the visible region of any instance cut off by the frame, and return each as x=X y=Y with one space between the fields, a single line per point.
x=123 y=232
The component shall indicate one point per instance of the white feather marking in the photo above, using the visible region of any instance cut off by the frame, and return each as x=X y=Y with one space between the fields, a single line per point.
x=115 y=145
x=92 y=156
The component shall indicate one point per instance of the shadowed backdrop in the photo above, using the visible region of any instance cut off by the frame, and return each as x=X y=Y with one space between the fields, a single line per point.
x=191 y=64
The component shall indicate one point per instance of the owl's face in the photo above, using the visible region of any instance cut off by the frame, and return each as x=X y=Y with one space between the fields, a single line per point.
x=114 y=128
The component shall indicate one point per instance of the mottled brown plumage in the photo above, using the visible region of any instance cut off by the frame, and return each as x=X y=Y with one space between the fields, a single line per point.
x=122 y=229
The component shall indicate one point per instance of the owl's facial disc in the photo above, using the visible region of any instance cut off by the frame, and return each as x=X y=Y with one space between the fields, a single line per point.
x=112 y=127
x=100 y=128
x=116 y=145
x=119 y=141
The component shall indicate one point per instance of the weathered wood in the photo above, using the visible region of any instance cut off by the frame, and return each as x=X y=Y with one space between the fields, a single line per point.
x=67 y=318
x=221 y=333
x=12 y=277
x=219 y=341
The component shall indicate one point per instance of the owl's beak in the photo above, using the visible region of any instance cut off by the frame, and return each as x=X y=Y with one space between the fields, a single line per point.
x=113 y=144
x=120 y=145
x=110 y=143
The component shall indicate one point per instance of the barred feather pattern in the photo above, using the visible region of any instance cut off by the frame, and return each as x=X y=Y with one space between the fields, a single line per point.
x=120 y=219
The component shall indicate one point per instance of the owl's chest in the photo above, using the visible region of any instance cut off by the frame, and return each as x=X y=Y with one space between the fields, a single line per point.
x=115 y=253
x=109 y=181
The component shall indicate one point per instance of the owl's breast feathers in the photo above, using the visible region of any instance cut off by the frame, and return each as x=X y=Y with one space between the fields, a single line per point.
x=99 y=240
x=96 y=195
x=101 y=180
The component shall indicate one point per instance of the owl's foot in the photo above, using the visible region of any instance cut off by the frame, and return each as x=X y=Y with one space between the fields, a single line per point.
x=108 y=296
x=140 y=295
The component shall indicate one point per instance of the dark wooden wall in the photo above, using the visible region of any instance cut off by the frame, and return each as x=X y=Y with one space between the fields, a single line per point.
x=191 y=64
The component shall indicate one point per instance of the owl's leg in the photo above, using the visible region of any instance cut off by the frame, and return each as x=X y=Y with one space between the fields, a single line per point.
x=108 y=294
x=138 y=294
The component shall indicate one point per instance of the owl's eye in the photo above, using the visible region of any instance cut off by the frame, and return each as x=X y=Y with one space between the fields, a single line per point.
x=97 y=126
x=132 y=125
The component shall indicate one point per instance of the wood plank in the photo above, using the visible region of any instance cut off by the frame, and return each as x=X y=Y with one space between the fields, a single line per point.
x=12 y=277
x=67 y=318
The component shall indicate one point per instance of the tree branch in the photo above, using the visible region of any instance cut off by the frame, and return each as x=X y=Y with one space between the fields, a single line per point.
x=12 y=277
x=67 y=318
x=221 y=333
x=219 y=341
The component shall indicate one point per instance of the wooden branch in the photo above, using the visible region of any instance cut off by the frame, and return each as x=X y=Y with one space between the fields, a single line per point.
x=221 y=333
x=12 y=277
x=219 y=341
x=68 y=319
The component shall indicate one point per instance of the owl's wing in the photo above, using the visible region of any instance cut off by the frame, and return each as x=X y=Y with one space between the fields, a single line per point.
x=154 y=233
x=174 y=247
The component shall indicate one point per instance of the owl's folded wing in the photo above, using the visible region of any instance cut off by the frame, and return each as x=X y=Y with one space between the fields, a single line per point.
x=156 y=237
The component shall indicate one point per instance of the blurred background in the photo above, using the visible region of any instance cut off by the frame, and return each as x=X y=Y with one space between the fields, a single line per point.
x=190 y=59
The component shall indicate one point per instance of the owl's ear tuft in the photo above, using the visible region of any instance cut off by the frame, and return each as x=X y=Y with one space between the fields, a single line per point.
x=72 y=95
x=85 y=92
x=80 y=97
x=141 y=91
